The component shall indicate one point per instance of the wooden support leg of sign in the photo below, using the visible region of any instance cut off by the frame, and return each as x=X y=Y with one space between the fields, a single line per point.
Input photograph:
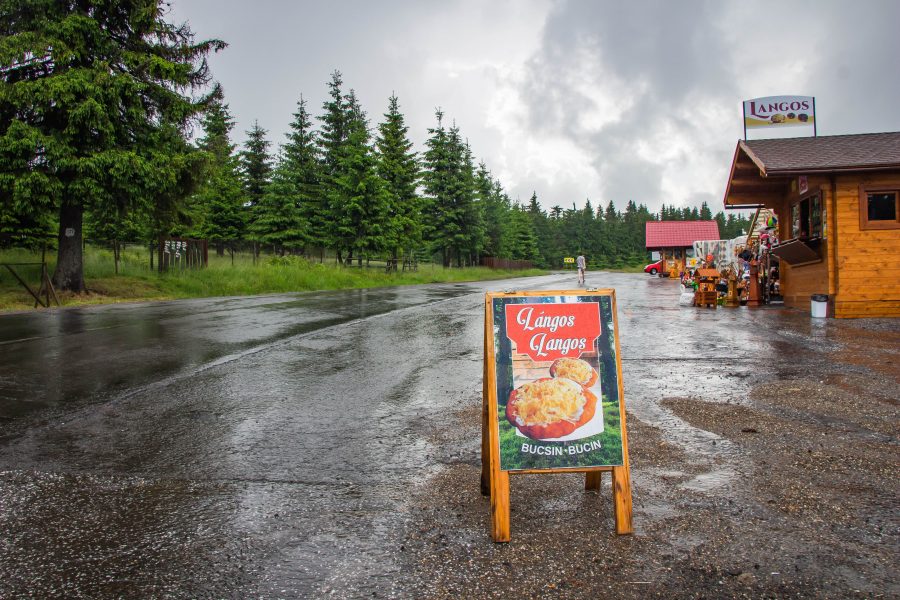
x=592 y=480
x=485 y=423
x=485 y=436
x=622 y=499
x=621 y=476
x=498 y=481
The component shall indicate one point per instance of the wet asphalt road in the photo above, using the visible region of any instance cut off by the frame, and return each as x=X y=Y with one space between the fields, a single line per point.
x=280 y=446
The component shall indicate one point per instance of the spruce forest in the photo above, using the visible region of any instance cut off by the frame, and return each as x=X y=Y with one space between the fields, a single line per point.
x=113 y=130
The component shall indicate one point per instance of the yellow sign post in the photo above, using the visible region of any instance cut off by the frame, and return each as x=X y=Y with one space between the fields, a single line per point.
x=553 y=398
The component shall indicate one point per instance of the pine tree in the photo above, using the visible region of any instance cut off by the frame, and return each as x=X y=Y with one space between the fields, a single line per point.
x=278 y=221
x=331 y=143
x=302 y=169
x=495 y=211
x=472 y=210
x=399 y=170
x=524 y=243
x=256 y=164
x=438 y=179
x=220 y=198
x=454 y=220
x=333 y=134
x=256 y=173
x=358 y=201
x=546 y=247
x=94 y=111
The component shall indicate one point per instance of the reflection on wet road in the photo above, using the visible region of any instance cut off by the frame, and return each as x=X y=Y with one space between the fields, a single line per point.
x=268 y=445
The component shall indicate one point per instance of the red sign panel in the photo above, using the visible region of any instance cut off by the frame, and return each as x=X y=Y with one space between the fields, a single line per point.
x=551 y=331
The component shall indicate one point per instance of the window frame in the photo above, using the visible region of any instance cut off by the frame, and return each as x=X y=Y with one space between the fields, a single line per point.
x=798 y=224
x=864 y=222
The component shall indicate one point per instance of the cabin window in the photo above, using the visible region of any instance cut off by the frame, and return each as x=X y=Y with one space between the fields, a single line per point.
x=808 y=218
x=879 y=208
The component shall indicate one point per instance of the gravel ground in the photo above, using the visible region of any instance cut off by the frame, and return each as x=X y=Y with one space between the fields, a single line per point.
x=279 y=461
x=795 y=494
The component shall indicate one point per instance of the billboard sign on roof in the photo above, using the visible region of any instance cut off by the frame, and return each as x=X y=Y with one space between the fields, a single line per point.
x=779 y=111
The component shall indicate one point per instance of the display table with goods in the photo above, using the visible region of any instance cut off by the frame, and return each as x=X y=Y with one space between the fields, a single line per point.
x=706 y=294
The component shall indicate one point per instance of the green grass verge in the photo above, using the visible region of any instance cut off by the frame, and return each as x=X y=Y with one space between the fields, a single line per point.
x=135 y=281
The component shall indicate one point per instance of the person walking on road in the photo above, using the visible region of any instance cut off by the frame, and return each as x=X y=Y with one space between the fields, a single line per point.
x=581 y=263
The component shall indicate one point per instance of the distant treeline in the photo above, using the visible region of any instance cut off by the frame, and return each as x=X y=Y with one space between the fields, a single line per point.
x=345 y=190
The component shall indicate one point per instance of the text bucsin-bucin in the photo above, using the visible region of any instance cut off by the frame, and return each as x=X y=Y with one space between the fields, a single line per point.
x=545 y=325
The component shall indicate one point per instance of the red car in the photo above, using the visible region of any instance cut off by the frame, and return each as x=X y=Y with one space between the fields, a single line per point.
x=653 y=268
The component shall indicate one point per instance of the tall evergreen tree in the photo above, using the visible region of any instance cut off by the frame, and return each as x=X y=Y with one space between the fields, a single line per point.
x=523 y=238
x=256 y=164
x=256 y=173
x=94 y=111
x=277 y=218
x=546 y=247
x=399 y=170
x=495 y=210
x=720 y=221
x=454 y=221
x=358 y=201
x=220 y=198
x=302 y=167
x=438 y=179
x=334 y=127
x=473 y=225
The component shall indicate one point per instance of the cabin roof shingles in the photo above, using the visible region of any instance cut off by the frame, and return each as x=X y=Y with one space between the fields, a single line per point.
x=827 y=153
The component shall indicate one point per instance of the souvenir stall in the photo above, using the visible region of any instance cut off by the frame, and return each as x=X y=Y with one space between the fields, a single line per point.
x=674 y=241
x=762 y=238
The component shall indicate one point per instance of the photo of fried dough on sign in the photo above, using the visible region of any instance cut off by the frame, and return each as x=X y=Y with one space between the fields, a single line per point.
x=556 y=401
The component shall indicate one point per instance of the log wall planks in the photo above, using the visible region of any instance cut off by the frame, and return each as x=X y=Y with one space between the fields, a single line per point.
x=860 y=268
x=868 y=277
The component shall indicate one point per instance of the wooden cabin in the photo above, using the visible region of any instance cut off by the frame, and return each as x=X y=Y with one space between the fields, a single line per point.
x=837 y=199
x=674 y=240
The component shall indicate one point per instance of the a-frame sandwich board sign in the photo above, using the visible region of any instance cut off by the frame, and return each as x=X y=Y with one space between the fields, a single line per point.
x=553 y=398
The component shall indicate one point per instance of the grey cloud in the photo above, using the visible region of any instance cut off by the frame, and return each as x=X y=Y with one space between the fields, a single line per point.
x=665 y=54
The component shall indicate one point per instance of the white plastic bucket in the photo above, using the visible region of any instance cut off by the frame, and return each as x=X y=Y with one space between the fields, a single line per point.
x=819 y=306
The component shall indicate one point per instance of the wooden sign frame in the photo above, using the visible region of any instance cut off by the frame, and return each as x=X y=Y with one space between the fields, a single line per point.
x=494 y=480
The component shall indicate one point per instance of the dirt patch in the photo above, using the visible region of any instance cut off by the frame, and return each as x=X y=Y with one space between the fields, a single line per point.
x=802 y=508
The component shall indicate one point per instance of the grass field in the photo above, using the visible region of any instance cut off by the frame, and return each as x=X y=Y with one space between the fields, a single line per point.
x=135 y=281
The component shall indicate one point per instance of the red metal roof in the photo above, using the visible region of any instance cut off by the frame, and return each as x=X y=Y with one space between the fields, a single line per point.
x=680 y=234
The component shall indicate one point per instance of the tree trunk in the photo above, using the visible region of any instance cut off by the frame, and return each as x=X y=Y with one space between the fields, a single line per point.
x=69 y=273
x=220 y=249
x=116 y=255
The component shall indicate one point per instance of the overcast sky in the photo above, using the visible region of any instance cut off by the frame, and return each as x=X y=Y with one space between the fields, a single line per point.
x=573 y=99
